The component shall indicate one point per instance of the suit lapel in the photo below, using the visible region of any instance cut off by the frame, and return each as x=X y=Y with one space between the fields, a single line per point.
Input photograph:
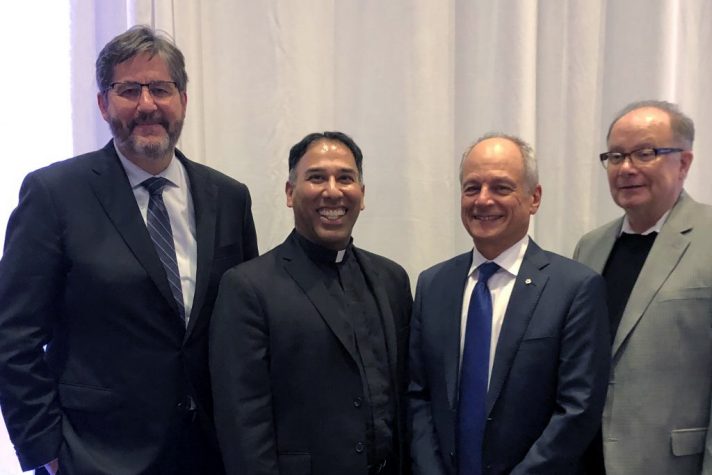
x=528 y=286
x=113 y=191
x=600 y=252
x=668 y=249
x=308 y=277
x=379 y=291
x=205 y=196
x=450 y=289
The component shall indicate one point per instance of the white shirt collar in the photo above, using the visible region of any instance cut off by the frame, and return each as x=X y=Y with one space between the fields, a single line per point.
x=655 y=228
x=138 y=175
x=509 y=260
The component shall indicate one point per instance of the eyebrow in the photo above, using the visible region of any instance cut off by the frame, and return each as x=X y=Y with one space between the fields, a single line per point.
x=340 y=170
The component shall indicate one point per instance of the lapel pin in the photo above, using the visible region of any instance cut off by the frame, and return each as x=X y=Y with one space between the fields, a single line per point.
x=527 y=281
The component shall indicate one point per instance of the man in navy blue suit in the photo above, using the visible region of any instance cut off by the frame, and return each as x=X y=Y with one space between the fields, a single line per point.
x=509 y=365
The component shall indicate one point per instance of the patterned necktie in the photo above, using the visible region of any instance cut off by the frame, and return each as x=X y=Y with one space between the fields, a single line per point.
x=159 y=227
x=474 y=375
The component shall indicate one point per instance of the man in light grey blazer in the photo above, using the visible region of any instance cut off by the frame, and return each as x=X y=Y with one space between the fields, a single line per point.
x=657 y=263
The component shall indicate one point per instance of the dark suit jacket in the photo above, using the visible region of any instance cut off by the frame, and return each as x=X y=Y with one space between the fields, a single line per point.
x=80 y=274
x=549 y=374
x=287 y=379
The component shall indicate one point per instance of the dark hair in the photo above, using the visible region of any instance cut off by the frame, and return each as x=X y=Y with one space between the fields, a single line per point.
x=137 y=40
x=683 y=128
x=300 y=148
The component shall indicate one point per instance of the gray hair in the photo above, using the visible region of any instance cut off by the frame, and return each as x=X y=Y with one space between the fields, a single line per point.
x=683 y=128
x=531 y=174
x=137 y=40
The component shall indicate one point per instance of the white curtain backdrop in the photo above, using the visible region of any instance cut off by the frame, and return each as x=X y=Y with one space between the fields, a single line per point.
x=414 y=82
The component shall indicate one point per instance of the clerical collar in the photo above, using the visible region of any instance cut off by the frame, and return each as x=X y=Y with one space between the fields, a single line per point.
x=319 y=253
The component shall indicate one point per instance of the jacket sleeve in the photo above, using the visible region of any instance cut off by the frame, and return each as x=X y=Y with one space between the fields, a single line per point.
x=425 y=453
x=239 y=367
x=584 y=363
x=32 y=273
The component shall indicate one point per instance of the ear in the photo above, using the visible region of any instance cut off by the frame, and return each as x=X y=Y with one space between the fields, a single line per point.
x=686 y=158
x=536 y=200
x=103 y=101
x=289 y=191
x=363 y=197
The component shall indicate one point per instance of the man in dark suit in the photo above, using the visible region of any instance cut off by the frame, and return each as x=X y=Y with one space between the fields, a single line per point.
x=307 y=342
x=112 y=261
x=508 y=349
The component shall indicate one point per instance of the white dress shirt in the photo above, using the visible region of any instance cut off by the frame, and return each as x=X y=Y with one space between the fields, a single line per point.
x=655 y=228
x=179 y=204
x=500 y=286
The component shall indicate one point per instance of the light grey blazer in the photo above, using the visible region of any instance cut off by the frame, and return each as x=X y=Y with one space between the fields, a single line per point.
x=657 y=414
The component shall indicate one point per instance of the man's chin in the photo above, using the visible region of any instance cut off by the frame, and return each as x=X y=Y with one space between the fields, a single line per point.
x=153 y=149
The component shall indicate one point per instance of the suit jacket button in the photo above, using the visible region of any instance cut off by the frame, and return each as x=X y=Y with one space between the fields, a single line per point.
x=452 y=455
x=359 y=447
x=357 y=402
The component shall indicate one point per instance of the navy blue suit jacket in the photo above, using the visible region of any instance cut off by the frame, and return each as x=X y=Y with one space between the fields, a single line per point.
x=80 y=275
x=549 y=376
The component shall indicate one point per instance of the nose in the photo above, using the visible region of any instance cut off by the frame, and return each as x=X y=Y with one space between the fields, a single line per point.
x=627 y=167
x=332 y=188
x=484 y=196
x=146 y=101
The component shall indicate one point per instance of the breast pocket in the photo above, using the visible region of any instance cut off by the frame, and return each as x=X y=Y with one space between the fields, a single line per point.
x=691 y=293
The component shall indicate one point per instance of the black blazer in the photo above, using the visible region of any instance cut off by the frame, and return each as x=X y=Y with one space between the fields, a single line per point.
x=80 y=275
x=549 y=376
x=287 y=380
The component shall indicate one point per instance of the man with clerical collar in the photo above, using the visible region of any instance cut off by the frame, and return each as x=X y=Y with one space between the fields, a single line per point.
x=308 y=341
x=508 y=350
x=657 y=263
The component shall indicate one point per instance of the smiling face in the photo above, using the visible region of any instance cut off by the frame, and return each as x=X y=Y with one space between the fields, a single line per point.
x=326 y=194
x=146 y=130
x=496 y=201
x=646 y=191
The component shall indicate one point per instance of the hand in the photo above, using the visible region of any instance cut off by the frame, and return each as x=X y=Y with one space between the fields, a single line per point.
x=52 y=467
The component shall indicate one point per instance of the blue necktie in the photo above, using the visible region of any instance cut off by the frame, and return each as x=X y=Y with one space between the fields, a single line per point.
x=159 y=228
x=474 y=375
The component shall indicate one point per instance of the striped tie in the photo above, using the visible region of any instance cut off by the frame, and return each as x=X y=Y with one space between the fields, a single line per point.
x=159 y=227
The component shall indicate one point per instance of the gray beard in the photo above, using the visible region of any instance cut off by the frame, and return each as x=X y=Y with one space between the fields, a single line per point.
x=153 y=150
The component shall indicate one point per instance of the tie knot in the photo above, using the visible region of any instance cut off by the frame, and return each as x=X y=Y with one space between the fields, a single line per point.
x=155 y=185
x=486 y=271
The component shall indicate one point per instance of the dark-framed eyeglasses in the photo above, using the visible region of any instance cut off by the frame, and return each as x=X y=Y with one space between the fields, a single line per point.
x=640 y=156
x=131 y=91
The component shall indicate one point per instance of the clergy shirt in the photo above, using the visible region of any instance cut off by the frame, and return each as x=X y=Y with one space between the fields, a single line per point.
x=346 y=283
x=500 y=286
x=179 y=204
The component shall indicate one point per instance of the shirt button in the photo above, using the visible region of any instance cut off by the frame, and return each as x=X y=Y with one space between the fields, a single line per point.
x=359 y=447
x=357 y=402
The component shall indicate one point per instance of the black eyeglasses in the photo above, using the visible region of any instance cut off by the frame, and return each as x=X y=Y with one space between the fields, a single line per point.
x=641 y=156
x=159 y=90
